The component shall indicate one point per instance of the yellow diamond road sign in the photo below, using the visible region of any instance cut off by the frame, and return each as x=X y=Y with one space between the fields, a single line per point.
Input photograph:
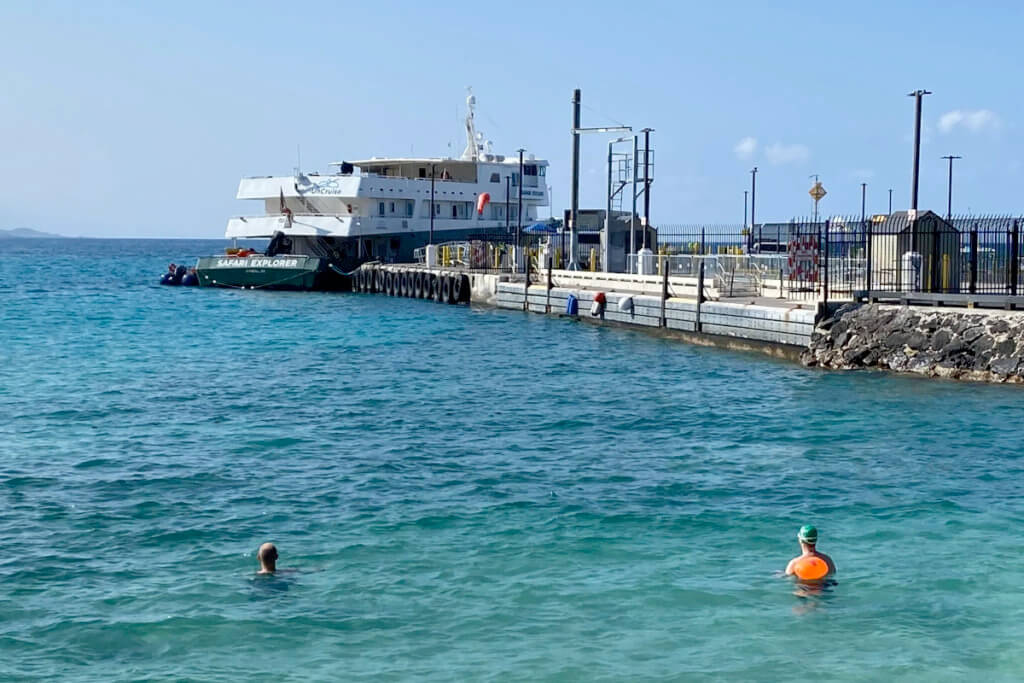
x=817 y=192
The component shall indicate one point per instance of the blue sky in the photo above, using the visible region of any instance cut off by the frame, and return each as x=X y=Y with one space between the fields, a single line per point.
x=124 y=119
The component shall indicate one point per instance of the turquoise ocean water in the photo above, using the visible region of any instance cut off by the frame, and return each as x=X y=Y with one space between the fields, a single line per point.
x=472 y=494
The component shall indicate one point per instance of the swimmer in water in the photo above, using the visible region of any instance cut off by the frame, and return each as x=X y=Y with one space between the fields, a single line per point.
x=267 y=556
x=810 y=565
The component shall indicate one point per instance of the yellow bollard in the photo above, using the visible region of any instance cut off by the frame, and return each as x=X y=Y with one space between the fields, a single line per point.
x=558 y=256
x=593 y=260
x=945 y=272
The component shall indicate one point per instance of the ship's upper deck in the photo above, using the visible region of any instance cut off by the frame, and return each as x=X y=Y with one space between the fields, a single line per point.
x=386 y=176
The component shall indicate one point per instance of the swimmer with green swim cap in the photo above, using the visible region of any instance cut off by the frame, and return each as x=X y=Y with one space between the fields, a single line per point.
x=810 y=565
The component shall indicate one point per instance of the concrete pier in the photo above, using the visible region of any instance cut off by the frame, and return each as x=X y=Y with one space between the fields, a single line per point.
x=716 y=323
x=954 y=343
x=667 y=305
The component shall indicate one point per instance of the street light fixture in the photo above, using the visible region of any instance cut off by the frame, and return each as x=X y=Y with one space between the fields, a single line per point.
x=949 y=199
x=753 y=200
x=917 y=95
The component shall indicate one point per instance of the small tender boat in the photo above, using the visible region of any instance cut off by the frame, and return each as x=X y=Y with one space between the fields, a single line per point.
x=260 y=271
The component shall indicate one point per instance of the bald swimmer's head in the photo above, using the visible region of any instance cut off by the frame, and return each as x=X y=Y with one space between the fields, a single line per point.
x=267 y=556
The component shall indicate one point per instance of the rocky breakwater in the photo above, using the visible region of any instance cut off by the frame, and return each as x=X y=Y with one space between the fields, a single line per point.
x=960 y=344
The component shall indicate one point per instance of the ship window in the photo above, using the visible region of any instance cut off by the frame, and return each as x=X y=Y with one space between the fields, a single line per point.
x=380 y=208
x=515 y=180
x=543 y=170
x=495 y=178
x=423 y=173
x=408 y=209
x=392 y=207
x=455 y=211
x=529 y=169
x=437 y=209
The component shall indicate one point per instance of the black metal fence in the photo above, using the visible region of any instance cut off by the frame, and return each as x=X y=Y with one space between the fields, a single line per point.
x=854 y=257
x=697 y=239
x=902 y=253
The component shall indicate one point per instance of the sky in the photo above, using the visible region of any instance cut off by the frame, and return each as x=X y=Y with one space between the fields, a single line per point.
x=139 y=119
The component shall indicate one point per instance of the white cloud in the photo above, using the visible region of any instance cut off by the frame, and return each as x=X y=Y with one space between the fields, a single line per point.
x=779 y=153
x=745 y=148
x=975 y=120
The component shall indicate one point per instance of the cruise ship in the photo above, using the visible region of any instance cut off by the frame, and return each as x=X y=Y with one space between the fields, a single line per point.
x=322 y=227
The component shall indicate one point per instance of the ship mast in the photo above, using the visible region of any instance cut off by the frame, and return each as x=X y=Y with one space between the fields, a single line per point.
x=472 y=147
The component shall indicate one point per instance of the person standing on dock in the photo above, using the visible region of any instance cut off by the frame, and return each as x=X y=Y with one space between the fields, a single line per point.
x=810 y=565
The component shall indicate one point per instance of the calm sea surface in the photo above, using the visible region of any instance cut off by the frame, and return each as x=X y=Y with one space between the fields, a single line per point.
x=472 y=494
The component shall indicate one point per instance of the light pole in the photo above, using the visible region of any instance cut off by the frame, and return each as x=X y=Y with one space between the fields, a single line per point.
x=890 y=201
x=574 y=190
x=917 y=95
x=745 y=193
x=647 y=181
x=863 y=203
x=574 y=193
x=519 y=211
x=431 y=240
x=753 y=201
x=632 y=191
x=949 y=200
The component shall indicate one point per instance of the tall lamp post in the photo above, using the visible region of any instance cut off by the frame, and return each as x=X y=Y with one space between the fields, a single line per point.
x=431 y=240
x=753 y=200
x=508 y=198
x=863 y=203
x=519 y=211
x=917 y=95
x=574 y=190
x=949 y=199
x=647 y=181
x=745 y=193
x=890 y=201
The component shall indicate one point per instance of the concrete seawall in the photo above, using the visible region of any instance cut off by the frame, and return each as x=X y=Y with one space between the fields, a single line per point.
x=777 y=330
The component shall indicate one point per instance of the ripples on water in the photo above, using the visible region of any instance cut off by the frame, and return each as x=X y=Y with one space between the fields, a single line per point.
x=471 y=493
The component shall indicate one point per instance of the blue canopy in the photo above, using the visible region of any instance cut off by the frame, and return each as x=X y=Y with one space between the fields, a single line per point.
x=541 y=229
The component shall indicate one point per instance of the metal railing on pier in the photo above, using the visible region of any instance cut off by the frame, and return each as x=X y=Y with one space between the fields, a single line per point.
x=907 y=256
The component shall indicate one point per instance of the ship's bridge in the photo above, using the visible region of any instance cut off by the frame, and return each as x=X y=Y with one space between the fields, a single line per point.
x=489 y=169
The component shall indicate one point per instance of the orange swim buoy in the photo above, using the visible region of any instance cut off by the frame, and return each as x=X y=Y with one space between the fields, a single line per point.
x=810 y=568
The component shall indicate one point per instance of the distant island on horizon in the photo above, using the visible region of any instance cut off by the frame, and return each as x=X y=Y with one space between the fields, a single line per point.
x=26 y=232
